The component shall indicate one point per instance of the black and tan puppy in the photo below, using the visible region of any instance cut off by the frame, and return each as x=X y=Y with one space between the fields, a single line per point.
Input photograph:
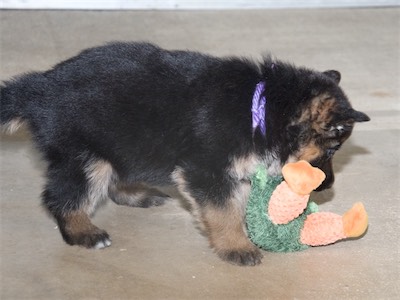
x=117 y=118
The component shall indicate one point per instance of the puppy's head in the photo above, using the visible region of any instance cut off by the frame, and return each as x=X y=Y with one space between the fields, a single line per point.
x=322 y=124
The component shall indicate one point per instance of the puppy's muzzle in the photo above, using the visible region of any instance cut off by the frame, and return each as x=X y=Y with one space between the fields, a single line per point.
x=327 y=168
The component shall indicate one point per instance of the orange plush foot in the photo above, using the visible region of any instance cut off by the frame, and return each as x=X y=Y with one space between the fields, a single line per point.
x=355 y=221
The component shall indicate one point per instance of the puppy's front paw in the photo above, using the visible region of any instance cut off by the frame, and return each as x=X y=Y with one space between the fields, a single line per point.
x=242 y=257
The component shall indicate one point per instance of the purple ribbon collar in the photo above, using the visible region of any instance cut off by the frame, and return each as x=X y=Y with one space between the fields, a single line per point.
x=258 y=108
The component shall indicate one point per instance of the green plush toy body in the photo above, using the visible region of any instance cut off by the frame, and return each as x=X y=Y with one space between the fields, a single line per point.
x=262 y=231
x=280 y=217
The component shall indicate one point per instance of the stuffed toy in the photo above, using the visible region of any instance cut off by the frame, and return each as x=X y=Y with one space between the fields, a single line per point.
x=281 y=218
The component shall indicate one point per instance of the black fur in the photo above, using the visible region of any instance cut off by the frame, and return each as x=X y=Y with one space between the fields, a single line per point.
x=149 y=112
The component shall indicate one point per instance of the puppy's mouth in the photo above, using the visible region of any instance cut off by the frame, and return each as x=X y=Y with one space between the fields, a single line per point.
x=327 y=168
x=324 y=186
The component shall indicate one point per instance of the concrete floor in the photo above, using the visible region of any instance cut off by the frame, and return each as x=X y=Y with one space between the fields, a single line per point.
x=157 y=253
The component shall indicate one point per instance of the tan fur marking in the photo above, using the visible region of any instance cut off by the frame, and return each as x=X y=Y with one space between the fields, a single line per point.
x=239 y=200
x=179 y=179
x=78 y=230
x=136 y=195
x=243 y=167
x=309 y=152
x=225 y=229
x=77 y=223
x=135 y=192
x=224 y=226
x=319 y=112
x=12 y=126
x=99 y=174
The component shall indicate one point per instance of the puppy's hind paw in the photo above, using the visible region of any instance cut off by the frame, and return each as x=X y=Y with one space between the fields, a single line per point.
x=152 y=201
x=242 y=257
x=98 y=239
x=76 y=229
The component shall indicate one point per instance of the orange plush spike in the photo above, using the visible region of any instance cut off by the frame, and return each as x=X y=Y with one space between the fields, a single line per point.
x=355 y=221
x=302 y=178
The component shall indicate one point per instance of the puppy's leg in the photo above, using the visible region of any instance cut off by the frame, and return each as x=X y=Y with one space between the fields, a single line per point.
x=224 y=223
x=77 y=229
x=72 y=195
x=137 y=195
x=226 y=230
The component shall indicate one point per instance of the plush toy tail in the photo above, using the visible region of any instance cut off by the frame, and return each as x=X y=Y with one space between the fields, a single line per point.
x=325 y=228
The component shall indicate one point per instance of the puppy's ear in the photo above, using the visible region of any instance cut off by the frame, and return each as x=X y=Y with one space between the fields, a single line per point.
x=358 y=116
x=335 y=75
x=352 y=115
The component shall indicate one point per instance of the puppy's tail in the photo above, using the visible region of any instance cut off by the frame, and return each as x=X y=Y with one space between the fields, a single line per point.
x=15 y=98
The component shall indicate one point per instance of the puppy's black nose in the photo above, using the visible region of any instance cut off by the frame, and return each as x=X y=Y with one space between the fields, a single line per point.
x=326 y=184
x=326 y=167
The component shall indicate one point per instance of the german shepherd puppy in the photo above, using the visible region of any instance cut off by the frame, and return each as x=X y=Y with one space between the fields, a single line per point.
x=124 y=116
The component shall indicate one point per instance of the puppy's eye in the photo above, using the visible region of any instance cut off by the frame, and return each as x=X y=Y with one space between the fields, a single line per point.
x=330 y=152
